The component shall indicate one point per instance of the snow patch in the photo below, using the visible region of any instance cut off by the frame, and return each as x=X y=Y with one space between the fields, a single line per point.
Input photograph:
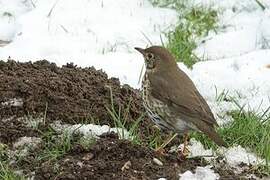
x=10 y=11
x=196 y=149
x=213 y=49
x=238 y=155
x=239 y=54
x=201 y=173
x=13 y=102
x=24 y=144
x=246 y=78
x=90 y=130
x=26 y=141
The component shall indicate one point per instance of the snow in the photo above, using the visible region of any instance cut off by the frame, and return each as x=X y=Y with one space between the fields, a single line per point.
x=26 y=141
x=201 y=173
x=13 y=102
x=234 y=156
x=212 y=49
x=99 y=33
x=9 y=11
x=246 y=78
x=237 y=155
x=236 y=58
x=24 y=144
x=32 y=122
x=196 y=149
x=89 y=130
x=244 y=29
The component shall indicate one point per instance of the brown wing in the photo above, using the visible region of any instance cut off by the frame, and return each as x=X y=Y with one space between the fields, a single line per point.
x=178 y=92
x=181 y=96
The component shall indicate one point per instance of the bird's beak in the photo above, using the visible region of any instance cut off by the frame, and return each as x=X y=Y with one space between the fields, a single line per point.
x=140 y=50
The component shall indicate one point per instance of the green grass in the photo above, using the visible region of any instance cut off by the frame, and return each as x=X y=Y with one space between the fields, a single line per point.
x=6 y=172
x=155 y=139
x=3 y=152
x=120 y=122
x=120 y=118
x=181 y=45
x=87 y=142
x=248 y=129
x=55 y=145
x=222 y=96
x=194 y=23
x=152 y=138
x=174 y=4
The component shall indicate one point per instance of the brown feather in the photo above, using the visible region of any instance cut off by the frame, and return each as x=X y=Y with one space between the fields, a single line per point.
x=182 y=95
x=174 y=88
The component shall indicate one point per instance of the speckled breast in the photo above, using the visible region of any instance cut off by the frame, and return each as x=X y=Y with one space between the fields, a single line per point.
x=160 y=113
x=156 y=110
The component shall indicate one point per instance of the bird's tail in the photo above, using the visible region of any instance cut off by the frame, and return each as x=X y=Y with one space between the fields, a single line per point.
x=211 y=132
x=217 y=139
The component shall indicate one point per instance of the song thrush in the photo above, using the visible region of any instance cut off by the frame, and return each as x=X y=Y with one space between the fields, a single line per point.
x=171 y=99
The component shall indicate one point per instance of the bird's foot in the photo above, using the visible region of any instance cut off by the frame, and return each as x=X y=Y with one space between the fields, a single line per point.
x=160 y=151
x=183 y=153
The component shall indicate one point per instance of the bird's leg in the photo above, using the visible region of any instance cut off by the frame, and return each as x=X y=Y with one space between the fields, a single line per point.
x=160 y=149
x=185 y=150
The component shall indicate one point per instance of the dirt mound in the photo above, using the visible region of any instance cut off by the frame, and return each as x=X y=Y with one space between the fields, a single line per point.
x=70 y=94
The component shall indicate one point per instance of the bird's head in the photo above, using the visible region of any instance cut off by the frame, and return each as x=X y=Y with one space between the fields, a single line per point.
x=157 y=58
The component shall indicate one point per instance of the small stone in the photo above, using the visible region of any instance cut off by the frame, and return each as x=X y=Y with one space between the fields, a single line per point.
x=88 y=157
x=157 y=161
x=80 y=164
x=126 y=166
x=66 y=160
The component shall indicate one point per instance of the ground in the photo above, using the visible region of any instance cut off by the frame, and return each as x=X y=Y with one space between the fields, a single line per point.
x=74 y=95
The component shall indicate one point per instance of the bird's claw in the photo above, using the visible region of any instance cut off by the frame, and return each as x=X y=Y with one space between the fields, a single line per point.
x=160 y=151
x=183 y=153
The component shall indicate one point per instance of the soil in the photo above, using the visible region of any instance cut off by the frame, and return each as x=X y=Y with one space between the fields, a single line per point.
x=70 y=94
x=111 y=158
x=81 y=95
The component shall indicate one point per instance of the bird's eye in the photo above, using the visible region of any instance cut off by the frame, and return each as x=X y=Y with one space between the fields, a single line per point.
x=149 y=56
x=150 y=60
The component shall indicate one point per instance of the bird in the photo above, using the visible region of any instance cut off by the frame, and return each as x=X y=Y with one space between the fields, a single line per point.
x=171 y=99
